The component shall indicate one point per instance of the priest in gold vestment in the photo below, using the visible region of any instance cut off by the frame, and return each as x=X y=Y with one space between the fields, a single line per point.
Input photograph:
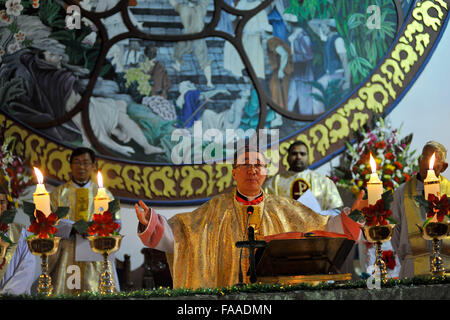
x=299 y=179
x=74 y=268
x=200 y=245
x=413 y=251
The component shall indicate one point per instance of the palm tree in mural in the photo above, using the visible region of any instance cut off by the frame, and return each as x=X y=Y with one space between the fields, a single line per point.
x=329 y=95
x=369 y=30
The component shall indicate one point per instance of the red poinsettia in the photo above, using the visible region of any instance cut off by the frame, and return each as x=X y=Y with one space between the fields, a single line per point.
x=376 y=214
x=103 y=225
x=438 y=207
x=389 y=259
x=4 y=227
x=42 y=226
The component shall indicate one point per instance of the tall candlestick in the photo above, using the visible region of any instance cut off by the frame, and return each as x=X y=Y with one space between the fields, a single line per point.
x=41 y=197
x=431 y=184
x=374 y=185
x=101 y=200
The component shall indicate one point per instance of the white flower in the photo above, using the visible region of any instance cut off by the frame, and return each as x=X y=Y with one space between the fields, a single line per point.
x=19 y=36
x=13 y=47
x=13 y=7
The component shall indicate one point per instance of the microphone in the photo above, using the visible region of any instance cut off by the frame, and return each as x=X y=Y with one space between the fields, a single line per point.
x=250 y=210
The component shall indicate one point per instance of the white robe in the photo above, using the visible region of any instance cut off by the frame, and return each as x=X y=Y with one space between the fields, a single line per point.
x=251 y=40
x=19 y=275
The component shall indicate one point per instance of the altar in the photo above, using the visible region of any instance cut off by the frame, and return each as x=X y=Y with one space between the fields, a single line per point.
x=417 y=288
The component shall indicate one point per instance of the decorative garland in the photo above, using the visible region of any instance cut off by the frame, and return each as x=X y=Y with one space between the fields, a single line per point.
x=233 y=290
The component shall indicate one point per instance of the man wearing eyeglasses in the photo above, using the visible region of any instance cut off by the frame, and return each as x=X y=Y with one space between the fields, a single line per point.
x=74 y=268
x=200 y=245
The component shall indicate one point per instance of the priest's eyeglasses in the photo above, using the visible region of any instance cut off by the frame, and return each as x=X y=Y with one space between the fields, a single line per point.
x=248 y=166
x=82 y=163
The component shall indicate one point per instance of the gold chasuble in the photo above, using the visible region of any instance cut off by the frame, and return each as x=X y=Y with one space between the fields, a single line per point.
x=205 y=254
x=414 y=215
x=294 y=184
x=14 y=233
x=81 y=204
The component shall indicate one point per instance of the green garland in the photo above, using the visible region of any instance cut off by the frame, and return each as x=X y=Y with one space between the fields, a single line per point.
x=233 y=290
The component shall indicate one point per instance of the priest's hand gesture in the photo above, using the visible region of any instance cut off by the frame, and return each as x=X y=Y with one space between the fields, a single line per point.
x=360 y=203
x=143 y=213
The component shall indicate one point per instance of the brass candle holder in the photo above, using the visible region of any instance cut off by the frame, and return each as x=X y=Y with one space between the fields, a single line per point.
x=105 y=246
x=44 y=248
x=435 y=231
x=378 y=235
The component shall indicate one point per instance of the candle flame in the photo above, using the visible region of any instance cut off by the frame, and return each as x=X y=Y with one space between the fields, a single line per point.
x=433 y=157
x=99 y=180
x=373 y=164
x=39 y=175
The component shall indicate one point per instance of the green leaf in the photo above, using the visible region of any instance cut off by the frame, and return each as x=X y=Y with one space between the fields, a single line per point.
x=28 y=209
x=422 y=202
x=61 y=212
x=8 y=216
x=426 y=222
x=356 y=215
x=81 y=226
x=5 y=238
x=387 y=197
x=392 y=220
x=114 y=206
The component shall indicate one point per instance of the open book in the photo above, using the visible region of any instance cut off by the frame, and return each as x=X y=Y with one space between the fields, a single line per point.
x=302 y=235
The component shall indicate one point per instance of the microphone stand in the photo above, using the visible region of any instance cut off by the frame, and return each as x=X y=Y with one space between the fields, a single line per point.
x=241 y=276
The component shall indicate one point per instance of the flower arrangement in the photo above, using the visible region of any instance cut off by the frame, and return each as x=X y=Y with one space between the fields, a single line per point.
x=395 y=163
x=103 y=225
x=14 y=176
x=42 y=226
x=6 y=218
x=437 y=208
x=378 y=214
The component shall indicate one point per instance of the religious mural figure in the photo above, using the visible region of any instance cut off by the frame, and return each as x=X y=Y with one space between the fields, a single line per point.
x=229 y=118
x=252 y=42
x=302 y=54
x=52 y=90
x=191 y=101
x=192 y=14
x=280 y=60
x=335 y=60
x=161 y=83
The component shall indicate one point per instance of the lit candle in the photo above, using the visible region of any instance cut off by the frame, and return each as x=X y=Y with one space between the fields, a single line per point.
x=101 y=200
x=431 y=183
x=41 y=197
x=374 y=185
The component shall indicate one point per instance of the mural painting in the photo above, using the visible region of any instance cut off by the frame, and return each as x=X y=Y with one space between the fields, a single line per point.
x=142 y=82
